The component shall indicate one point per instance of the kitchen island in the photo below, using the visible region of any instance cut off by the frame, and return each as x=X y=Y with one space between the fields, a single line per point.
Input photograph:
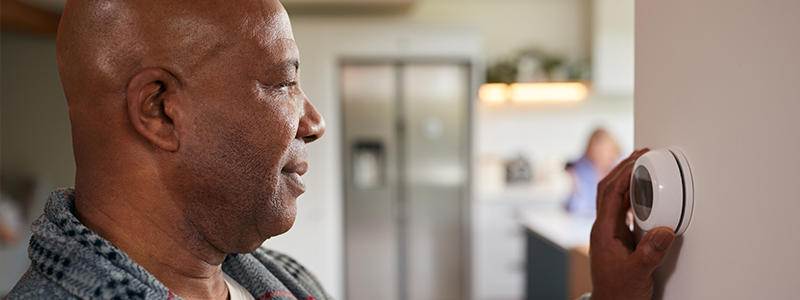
x=557 y=254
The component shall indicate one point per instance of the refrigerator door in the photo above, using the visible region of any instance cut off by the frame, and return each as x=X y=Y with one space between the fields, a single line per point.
x=406 y=144
x=435 y=109
x=369 y=95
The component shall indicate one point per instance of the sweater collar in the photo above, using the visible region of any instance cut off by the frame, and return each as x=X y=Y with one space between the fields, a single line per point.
x=83 y=263
x=63 y=250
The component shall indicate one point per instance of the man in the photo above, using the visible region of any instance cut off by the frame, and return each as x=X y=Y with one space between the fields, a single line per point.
x=189 y=130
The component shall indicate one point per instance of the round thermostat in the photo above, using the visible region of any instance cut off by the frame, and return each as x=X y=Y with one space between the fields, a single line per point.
x=662 y=191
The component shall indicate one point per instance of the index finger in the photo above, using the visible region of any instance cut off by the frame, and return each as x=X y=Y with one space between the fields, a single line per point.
x=601 y=187
x=611 y=192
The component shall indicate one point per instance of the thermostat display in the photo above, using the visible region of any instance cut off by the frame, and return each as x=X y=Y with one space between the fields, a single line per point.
x=643 y=189
x=662 y=190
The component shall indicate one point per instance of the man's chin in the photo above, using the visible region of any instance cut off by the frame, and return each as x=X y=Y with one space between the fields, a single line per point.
x=252 y=246
x=275 y=229
x=250 y=249
x=276 y=223
x=284 y=227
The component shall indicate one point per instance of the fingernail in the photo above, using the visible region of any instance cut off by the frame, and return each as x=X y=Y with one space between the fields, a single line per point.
x=662 y=239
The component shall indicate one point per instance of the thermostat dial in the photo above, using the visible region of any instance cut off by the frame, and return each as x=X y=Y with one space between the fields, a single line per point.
x=662 y=190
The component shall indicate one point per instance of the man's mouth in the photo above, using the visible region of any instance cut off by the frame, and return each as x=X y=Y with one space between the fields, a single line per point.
x=292 y=174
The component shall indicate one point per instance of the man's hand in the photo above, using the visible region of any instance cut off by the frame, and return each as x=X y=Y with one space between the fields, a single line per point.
x=621 y=269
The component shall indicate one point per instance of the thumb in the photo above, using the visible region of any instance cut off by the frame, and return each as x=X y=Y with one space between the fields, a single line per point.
x=651 y=250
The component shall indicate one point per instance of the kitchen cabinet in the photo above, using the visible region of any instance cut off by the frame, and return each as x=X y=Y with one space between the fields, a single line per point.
x=498 y=239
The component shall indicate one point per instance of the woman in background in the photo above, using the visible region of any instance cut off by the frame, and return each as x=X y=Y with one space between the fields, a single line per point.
x=602 y=152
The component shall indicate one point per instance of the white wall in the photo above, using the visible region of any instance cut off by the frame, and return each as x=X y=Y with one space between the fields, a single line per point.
x=556 y=26
x=612 y=47
x=719 y=78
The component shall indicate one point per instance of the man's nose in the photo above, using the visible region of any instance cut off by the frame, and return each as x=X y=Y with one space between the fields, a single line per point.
x=312 y=125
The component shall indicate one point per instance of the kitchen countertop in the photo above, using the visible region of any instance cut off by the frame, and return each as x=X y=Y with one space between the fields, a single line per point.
x=564 y=230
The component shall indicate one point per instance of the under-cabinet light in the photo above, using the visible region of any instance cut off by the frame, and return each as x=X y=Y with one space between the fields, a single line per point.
x=530 y=92
x=549 y=91
x=493 y=92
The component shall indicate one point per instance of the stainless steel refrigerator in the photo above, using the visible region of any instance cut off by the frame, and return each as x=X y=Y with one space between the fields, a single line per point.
x=406 y=171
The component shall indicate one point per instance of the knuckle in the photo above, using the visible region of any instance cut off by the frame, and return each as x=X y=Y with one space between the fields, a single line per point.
x=611 y=190
x=650 y=257
x=603 y=186
x=596 y=237
x=602 y=183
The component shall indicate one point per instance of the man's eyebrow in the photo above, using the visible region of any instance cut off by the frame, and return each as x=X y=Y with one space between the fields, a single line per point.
x=287 y=64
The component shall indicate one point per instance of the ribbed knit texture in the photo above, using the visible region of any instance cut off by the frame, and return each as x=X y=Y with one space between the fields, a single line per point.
x=69 y=261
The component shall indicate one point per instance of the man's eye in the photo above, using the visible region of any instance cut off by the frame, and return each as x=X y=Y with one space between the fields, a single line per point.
x=287 y=84
x=280 y=88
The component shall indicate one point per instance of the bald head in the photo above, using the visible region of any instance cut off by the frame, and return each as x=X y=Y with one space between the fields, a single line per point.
x=106 y=42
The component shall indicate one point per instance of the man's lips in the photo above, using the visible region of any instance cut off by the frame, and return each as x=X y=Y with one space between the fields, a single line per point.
x=292 y=174
x=300 y=168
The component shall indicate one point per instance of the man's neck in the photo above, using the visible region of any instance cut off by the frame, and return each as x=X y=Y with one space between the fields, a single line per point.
x=156 y=236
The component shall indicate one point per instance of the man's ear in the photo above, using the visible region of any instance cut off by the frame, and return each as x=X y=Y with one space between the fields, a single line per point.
x=153 y=105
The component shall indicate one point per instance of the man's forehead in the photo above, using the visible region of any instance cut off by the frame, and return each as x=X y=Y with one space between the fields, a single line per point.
x=261 y=30
x=267 y=24
x=271 y=25
x=265 y=20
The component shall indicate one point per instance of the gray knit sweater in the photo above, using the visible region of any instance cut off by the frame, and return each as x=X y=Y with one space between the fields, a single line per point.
x=69 y=261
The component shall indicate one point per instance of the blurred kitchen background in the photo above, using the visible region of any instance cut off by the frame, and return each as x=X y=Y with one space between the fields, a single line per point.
x=457 y=162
